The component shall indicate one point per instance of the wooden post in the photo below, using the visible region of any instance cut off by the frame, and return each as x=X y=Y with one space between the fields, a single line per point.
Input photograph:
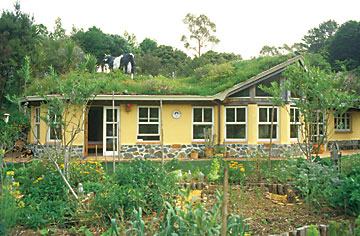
x=224 y=205
x=113 y=129
x=161 y=134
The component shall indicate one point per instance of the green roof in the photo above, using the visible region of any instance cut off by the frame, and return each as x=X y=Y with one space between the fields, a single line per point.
x=206 y=81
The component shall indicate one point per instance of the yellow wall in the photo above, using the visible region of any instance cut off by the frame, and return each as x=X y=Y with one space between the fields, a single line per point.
x=354 y=134
x=74 y=119
x=177 y=131
x=284 y=125
x=252 y=121
x=128 y=125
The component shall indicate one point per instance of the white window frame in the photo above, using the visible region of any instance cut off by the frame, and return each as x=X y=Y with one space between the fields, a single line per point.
x=295 y=122
x=36 y=124
x=268 y=122
x=318 y=124
x=48 y=131
x=148 y=123
x=202 y=122
x=235 y=123
x=337 y=121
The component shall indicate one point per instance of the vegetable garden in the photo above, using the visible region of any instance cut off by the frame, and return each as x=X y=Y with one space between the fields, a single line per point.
x=145 y=198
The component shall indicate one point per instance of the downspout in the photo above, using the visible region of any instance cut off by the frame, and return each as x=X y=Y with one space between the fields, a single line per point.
x=219 y=121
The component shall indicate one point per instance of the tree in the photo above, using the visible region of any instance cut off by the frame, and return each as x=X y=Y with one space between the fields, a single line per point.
x=201 y=31
x=148 y=45
x=317 y=92
x=317 y=39
x=20 y=38
x=344 y=47
x=59 y=31
x=269 y=51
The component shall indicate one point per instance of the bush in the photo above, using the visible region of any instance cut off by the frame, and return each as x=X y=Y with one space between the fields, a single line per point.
x=140 y=183
x=45 y=199
x=214 y=73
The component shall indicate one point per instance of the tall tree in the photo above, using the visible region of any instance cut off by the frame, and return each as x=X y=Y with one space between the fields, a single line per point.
x=201 y=30
x=21 y=37
x=317 y=39
x=148 y=46
x=344 y=47
x=269 y=51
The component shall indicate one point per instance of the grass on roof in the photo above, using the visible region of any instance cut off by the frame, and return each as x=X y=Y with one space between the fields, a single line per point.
x=207 y=80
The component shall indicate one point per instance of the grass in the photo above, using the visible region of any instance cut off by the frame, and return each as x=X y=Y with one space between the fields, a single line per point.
x=194 y=85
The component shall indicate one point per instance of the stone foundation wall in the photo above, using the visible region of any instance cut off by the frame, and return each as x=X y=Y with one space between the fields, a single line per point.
x=39 y=150
x=345 y=144
x=233 y=150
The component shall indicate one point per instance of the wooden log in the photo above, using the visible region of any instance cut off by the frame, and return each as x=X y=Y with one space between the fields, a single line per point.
x=280 y=188
x=322 y=230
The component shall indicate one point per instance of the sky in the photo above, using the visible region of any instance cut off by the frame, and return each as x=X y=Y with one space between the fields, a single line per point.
x=243 y=27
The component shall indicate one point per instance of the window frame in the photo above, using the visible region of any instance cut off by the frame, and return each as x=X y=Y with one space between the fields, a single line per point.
x=37 y=124
x=295 y=123
x=316 y=137
x=148 y=123
x=347 y=119
x=49 y=139
x=268 y=122
x=235 y=123
x=193 y=123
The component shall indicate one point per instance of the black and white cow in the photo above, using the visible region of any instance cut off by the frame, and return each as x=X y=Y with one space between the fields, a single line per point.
x=126 y=61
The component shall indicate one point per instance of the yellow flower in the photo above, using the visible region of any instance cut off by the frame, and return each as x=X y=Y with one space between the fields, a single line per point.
x=10 y=173
x=21 y=204
x=16 y=183
x=275 y=168
x=40 y=178
x=62 y=166
x=3 y=151
x=242 y=169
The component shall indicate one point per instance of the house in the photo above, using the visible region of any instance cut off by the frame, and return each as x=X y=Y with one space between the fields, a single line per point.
x=149 y=126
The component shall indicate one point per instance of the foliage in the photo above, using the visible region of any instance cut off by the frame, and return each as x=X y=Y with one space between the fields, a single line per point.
x=140 y=183
x=348 y=192
x=237 y=173
x=213 y=175
x=214 y=73
x=201 y=31
x=344 y=48
x=85 y=171
x=8 y=202
x=191 y=219
x=316 y=182
x=312 y=231
x=45 y=198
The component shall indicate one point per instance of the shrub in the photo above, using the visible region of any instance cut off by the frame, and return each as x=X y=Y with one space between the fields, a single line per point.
x=214 y=73
x=45 y=197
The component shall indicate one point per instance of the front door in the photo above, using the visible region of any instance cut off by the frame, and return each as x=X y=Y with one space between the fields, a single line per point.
x=111 y=132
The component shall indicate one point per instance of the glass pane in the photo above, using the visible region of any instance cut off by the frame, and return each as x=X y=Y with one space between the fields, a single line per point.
x=275 y=114
x=154 y=114
x=37 y=115
x=264 y=131
x=109 y=115
x=207 y=115
x=109 y=130
x=294 y=129
x=230 y=114
x=197 y=115
x=235 y=131
x=148 y=129
x=198 y=131
x=143 y=114
x=263 y=114
x=292 y=115
x=109 y=144
x=37 y=131
x=240 y=115
x=297 y=115
x=55 y=133
x=149 y=138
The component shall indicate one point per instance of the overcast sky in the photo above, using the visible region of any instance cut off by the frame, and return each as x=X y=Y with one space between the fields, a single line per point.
x=243 y=27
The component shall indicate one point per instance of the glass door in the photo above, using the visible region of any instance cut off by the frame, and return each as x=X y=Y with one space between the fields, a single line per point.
x=111 y=134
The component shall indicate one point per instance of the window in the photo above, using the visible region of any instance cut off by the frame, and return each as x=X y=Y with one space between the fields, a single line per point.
x=266 y=83
x=265 y=123
x=295 y=124
x=54 y=130
x=37 y=124
x=317 y=127
x=342 y=122
x=202 y=118
x=148 y=124
x=235 y=123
